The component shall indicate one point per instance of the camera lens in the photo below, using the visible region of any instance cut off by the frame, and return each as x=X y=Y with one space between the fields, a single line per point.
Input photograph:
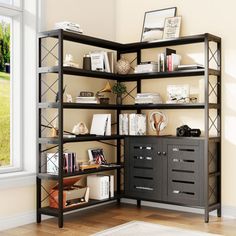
x=180 y=132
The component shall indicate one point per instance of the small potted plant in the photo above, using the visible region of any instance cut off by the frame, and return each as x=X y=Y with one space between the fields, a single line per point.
x=119 y=89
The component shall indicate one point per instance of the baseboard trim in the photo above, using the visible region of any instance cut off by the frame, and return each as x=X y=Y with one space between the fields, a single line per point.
x=227 y=211
x=30 y=217
x=16 y=220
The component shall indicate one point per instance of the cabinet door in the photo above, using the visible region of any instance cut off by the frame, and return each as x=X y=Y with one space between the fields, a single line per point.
x=143 y=170
x=184 y=165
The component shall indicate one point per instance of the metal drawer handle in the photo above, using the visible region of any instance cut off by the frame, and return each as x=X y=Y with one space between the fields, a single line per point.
x=144 y=188
x=148 y=158
x=176 y=191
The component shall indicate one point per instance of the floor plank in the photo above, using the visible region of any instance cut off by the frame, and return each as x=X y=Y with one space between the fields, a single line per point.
x=97 y=219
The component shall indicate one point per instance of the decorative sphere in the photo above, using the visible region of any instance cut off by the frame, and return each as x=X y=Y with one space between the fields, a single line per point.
x=123 y=66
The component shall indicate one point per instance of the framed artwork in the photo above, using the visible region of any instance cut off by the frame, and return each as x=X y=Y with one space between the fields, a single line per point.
x=153 y=23
x=172 y=27
x=96 y=156
x=178 y=93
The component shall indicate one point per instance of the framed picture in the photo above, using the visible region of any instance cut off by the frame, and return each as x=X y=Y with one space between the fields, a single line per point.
x=96 y=156
x=153 y=23
x=178 y=93
x=172 y=27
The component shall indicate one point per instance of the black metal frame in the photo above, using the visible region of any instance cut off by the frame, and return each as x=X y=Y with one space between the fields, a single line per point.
x=137 y=48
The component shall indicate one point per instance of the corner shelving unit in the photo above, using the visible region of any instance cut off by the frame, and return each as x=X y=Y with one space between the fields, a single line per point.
x=60 y=36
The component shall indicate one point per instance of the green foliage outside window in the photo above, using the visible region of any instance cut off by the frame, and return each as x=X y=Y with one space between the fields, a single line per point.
x=4 y=44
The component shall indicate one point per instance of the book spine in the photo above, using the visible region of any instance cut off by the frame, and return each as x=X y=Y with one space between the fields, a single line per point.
x=111 y=186
x=106 y=62
x=162 y=62
x=170 y=63
x=65 y=160
x=132 y=124
x=159 y=63
x=121 y=118
x=74 y=161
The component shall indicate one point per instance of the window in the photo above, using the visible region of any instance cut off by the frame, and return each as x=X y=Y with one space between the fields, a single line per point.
x=5 y=94
x=10 y=86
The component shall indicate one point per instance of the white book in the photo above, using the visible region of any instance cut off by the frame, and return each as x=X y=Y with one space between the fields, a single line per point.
x=176 y=59
x=111 y=186
x=111 y=58
x=108 y=185
x=98 y=186
x=141 y=124
x=106 y=62
x=132 y=124
x=97 y=61
x=137 y=124
x=123 y=124
x=101 y=124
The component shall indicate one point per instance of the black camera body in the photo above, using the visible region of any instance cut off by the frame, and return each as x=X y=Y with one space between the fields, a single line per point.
x=186 y=131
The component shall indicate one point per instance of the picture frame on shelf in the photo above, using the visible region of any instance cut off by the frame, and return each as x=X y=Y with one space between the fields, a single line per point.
x=172 y=27
x=96 y=155
x=178 y=93
x=153 y=23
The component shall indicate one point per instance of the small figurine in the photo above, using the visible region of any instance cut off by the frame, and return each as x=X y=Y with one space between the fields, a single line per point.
x=68 y=98
x=80 y=128
x=54 y=132
x=69 y=61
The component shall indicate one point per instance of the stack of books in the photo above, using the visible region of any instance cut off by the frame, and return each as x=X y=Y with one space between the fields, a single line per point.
x=146 y=67
x=90 y=100
x=69 y=162
x=132 y=124
x=69 y=26
x=148 y=98
x=168 y=60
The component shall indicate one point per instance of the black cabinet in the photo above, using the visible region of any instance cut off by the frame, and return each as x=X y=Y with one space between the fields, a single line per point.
x=165 y=169
x=143 y=168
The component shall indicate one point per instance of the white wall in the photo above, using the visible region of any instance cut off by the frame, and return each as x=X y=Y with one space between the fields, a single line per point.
x=213 y=16
x=96 y=18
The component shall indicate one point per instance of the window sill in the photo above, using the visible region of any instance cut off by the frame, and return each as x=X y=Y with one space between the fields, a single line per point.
x=17 y=179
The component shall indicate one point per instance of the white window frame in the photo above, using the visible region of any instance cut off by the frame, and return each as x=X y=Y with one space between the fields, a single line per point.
x=15 y=12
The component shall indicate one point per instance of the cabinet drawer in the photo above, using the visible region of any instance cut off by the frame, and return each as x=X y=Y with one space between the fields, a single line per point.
x=141 y=172
x=144 y=188
x=142 y=161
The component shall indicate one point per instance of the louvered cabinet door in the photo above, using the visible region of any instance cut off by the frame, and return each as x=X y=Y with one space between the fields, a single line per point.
x=143 y=171
x=184 y=165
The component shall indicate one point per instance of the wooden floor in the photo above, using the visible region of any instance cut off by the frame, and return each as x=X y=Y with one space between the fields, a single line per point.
x=93 y=220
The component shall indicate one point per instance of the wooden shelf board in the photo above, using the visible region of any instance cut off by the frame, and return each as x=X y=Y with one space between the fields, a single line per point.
x=77 y=173
x=55 y=212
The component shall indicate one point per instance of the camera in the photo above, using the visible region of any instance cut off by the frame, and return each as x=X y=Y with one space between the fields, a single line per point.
x=186 y=131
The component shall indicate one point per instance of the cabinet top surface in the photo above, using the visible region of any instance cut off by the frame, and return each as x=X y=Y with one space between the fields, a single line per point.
x=93 y=41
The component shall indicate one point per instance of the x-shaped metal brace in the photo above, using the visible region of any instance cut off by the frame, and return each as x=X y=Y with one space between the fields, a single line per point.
x=49 y=52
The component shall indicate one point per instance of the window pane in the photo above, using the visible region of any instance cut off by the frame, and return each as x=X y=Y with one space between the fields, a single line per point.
x=6 y=1
x=5 y=91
